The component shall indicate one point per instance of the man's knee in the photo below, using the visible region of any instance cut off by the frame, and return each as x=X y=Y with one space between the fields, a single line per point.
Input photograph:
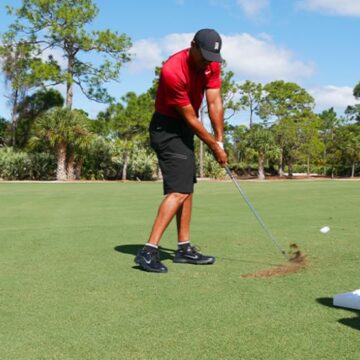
x=178 y=197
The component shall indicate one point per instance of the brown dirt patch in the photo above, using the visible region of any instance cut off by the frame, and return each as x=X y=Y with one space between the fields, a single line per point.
x=281 y=270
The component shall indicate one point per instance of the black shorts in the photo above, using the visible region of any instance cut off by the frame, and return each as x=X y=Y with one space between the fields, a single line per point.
x=173 y=142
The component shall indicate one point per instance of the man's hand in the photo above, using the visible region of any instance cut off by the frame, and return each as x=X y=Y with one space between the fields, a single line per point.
x=219 y=154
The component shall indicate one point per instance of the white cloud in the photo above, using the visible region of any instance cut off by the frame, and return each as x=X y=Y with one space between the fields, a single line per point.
x=253 y=7
x=256 y=58
x=147 y=55
x=328 y=96
x=175 y=42
x=260 y=59
x=332 y=7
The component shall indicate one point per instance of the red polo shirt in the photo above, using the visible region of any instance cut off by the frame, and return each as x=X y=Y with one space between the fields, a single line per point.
x=180 y=84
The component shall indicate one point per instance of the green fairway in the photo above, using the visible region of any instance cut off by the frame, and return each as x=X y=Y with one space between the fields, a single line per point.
x=69 y=288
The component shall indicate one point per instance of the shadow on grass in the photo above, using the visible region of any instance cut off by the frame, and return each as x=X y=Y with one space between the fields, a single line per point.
x=131 y=249
x=353 y=322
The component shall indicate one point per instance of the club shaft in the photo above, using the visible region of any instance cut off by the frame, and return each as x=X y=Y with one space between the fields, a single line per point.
x=258 y=217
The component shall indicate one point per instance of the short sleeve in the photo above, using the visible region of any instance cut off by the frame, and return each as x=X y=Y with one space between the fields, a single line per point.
x=176 y=92
x=214 y=77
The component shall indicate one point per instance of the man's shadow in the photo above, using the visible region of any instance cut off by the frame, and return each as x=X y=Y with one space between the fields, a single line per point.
x=132 y=249
x=353 y=322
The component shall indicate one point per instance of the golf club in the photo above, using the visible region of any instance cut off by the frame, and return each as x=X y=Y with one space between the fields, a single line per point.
x=258 y=217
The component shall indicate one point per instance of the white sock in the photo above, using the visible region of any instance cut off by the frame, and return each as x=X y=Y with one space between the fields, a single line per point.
x=180 y=244
x=151 y=245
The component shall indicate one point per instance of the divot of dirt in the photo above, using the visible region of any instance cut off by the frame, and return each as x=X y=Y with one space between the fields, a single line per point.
x=281 y=270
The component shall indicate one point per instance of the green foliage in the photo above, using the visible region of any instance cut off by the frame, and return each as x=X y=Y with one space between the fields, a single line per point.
x=348 y=142
x=250 y=98
x=356 y=91
x=352 y=113
x=4 y=132
x=228 y=93
x=65 y=24
x=60 y=126
x=31 y=107
x=212 y=169
x=14 y=165
x=142 y=165
x=284 y=99
x=98 y=163
x=20 y=165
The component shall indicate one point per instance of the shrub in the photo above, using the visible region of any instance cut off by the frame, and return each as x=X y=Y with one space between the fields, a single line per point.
x=19 y=165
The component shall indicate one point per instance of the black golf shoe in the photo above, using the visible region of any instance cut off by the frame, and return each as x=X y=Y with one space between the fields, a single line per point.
x=150 y=261
x=190 y=255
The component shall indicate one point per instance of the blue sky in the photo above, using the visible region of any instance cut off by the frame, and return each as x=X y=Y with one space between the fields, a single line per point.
x=310 y=42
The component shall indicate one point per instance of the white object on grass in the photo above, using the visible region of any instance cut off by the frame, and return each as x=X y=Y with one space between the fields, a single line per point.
x=325 y=229
x=349 y=300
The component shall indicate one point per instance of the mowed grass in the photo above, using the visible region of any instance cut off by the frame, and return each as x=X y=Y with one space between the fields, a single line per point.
x=69 y=288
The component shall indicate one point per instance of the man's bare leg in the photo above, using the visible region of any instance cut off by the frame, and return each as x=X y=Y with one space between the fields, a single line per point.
x=183 y=219
x=186 y=254
x=167 y=210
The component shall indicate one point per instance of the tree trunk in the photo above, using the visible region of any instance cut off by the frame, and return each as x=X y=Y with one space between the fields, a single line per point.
x=261 y=162
x=251 y=118
x=353 y=170
x=14 y=118
x=290 y=171
x=281 y=164
x=61 y=162
x=69 y=82
x=126 y=162
x=78 y=169
x=70 y=166
x=308 y=166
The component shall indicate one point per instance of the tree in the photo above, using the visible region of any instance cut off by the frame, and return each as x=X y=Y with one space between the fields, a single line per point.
x=285 y=131
x=348 y=141
x=329 y=122
x=228 y=93
x=4 y=129
x=353 y=112
x=23 y=71
x=261 y=140
x=311 y=145
x=130 y=119
x=284 y=101
x=62 y=25
x=251 y=96
x=60 y=127
x=238 y=139
x=31 y=107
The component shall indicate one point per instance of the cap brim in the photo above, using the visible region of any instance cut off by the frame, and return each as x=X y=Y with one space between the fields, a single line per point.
x=211 y=56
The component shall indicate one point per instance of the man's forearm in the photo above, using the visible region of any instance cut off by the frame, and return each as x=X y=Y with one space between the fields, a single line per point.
x=216 y=114
x=188 y=114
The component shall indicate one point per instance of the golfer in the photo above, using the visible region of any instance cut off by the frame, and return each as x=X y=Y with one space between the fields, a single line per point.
x=184 y=79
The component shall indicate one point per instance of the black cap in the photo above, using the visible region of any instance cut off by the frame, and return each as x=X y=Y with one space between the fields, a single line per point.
x=209 y=42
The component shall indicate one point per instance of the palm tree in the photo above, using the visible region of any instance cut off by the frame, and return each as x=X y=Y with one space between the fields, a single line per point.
x=61 y=128
x=261 y=141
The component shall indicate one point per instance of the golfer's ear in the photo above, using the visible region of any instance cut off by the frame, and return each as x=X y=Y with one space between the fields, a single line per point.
x=193 y=43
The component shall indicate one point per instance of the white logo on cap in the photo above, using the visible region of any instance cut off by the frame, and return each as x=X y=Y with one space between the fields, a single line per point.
x=216 y=46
